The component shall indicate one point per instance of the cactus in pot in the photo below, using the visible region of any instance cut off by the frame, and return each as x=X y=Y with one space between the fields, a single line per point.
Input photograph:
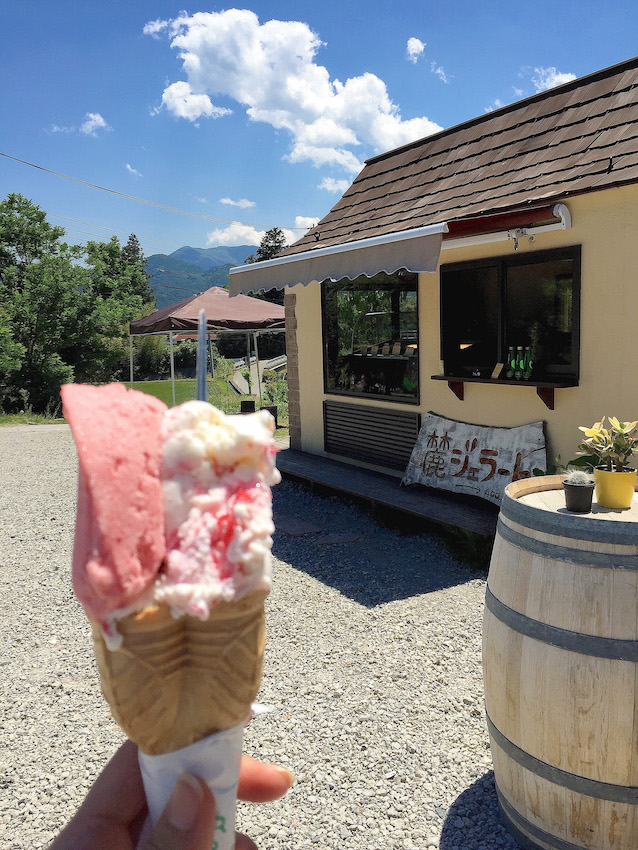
x=578 y=478
x=579 y=489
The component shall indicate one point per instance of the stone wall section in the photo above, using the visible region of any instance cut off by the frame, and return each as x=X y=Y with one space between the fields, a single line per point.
x=292 y=353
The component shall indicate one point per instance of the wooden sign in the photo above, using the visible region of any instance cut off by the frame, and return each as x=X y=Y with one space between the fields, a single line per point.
x=477 y=459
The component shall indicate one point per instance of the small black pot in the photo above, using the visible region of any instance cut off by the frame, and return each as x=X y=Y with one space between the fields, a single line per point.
x=578 y=497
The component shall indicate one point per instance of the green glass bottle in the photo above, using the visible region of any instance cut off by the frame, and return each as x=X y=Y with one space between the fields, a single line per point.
x=520 y=363
x=528 y=365
x=511 y=362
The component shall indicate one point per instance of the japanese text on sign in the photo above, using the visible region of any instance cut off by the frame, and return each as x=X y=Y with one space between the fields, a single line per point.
x=474 y=459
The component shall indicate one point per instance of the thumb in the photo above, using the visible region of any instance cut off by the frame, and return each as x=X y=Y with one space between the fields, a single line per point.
x=188 y=821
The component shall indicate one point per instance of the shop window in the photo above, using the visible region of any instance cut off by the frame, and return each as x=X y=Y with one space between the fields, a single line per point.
x=528 y=304
x=370 y=336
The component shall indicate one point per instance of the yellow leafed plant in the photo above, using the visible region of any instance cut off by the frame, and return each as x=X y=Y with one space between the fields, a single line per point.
x=610 y=446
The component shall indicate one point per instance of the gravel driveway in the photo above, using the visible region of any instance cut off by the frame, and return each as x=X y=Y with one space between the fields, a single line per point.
x=372 y=664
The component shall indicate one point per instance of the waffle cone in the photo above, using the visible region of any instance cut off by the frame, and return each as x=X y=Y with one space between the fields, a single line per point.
x=175 y=681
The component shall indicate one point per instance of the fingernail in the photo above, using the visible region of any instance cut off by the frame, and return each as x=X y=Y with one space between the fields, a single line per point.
x=184 y=803
x=289 y=776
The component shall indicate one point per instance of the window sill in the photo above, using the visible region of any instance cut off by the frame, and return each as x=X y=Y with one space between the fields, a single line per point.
x=544 y=389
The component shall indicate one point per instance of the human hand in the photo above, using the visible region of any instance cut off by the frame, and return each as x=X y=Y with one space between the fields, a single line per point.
x=113 y=812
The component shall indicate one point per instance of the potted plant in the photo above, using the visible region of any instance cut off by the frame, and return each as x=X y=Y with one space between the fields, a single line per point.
x=579 y=490
x=609 y=450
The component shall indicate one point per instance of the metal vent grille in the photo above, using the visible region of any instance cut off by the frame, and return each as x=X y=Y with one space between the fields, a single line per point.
x=376 y=435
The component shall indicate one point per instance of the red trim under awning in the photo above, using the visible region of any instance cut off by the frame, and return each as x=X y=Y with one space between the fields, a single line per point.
x=477 y=225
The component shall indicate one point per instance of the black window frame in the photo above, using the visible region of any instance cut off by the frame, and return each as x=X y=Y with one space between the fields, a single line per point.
x=502 y=264
x=350 y=394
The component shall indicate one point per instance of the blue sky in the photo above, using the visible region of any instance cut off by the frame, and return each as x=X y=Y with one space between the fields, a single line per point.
x=258 y=116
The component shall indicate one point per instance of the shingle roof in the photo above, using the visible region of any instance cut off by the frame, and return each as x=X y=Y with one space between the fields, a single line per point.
x=579 y=137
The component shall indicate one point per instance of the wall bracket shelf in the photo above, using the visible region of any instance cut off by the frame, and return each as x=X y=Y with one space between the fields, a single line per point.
x=544 y=389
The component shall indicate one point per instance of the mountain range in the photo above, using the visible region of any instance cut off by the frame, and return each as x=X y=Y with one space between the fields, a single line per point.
x=188 y=270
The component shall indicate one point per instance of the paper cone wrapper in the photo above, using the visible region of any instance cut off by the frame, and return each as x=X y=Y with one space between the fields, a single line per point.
x=214 y=759
x=173 y=681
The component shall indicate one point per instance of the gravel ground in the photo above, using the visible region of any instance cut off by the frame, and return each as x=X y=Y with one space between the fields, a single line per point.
x=372 y=664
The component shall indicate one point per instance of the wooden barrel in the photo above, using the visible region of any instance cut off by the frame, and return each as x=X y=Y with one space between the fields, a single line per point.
x=560 y=662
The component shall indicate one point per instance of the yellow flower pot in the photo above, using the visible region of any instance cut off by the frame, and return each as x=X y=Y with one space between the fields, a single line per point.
x=614 y=489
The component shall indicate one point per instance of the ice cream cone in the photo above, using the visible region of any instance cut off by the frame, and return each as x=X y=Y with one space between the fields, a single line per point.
x=174 y=681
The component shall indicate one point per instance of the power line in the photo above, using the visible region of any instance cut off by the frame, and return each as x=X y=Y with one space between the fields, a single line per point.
x=97 y=235
x=146 y=245
x=192 y=290
x=110 y=230
x=140 y=200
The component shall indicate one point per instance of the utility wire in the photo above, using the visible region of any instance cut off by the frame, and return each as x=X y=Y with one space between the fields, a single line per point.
x=97 y=235
x=88 y=224
x=110 y=230
x=190 y=291
x=139 y=200
x=146 y=246
x=144 y=243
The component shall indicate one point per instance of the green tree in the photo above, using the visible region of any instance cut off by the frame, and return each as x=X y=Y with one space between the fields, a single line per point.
x=65 y=309
x=224 y=366
x=41 y=303
x=39 y=280
x=113 y=292
x=117 y=270
x=152 y=357
x=272 y=243
x=11 y=354
x=25 y=234
x=133 y=256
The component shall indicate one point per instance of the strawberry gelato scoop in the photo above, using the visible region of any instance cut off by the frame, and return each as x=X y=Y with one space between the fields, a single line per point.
x=216 y=476
x=119 y=533
x=174 y=506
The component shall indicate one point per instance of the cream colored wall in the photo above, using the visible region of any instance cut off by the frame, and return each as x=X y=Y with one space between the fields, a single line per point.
x=605 y=224
x=311 y=394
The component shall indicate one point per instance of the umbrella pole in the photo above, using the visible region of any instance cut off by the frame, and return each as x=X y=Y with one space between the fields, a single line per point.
x=202 y=389
x=170 y=337
x=250 y=389
x=130 y=344
x=255 y=335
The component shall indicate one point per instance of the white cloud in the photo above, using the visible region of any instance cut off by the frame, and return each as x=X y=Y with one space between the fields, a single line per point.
x=270 y=70
x=318 y=155
x=440 y=73
x=242 y=203
x=496 y=104
x=547 y=78
x=132 y=170
x=93 y=122
x=154 y=28
x=332 y=185
x=414 y=49
x=304 y=221
x=541 y=78
x=184 y=103
x=235 y=234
